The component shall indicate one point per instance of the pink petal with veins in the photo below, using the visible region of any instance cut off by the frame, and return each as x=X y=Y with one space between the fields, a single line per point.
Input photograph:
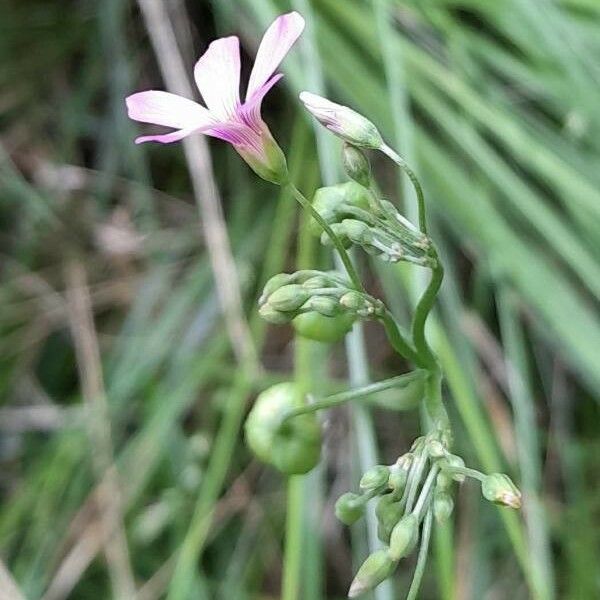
x=276 y=43
x=250 y=110
x=170 y=110
x=217 y=75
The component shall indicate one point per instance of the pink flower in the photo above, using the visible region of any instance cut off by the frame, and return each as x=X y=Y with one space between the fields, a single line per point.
x=217 y=76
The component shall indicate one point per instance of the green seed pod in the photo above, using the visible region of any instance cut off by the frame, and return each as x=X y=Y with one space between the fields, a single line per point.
x=288 y=298
x=377 y=568
x=375 y=478
x=404 y=537
x=356 y=165
x=269 y=314
x=443 y=505
x=388 y=511
x=499 y=489
x=294 y=447
x=349 y=508
x=320 y=328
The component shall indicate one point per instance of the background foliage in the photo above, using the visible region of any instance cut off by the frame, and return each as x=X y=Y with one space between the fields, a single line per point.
x=496 y=106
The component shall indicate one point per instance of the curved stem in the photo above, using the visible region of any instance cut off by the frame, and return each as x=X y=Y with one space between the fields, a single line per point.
x=415 y=183
x=398 y=340
x=342 y=397
x=421 y=313
x=421 y=504
x=334 y=238
x=422 y=558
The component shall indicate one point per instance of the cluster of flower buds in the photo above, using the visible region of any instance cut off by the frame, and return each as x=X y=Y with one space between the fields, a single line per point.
x=357 y=218
x=292 y=446
x=418 y=484
x=290 y=297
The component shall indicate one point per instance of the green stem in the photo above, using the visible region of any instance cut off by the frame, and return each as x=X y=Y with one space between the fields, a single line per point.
x=421 y=505
x=399 y=341
x=291 y=584
x=422 y=558
x=415 y=183
x=343 y=397
x=332 y=236
x=422 y=312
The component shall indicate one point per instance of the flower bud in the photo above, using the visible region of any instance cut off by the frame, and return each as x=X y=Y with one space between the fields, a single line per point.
x=443 y=481
x=273 y=284
x=443 y=505
x=377 y=568
x=317 y=327
x=397 y=481
x=317 y=281
x=324 y=305
x=349 y=508
x=343 y=121
x=356 y=165
x=269 y=314
x=454 y=461
x=375 y=478
x=332 y=203
x=388 y=511
x=288 y=298
x=404 y=537
x=499 y=489
x=293 y=447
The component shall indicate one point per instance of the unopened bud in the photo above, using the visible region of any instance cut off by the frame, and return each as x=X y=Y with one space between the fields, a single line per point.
x=276 y=317
x=273 y=284
x=499 y=489
x=375 y=478
x=289 y=297
x=397 y=481
x=377 y=568
x=317 y=281
x=356 y=165
x=320 y=328
x=324 y=305
x=349 y=508
x=454 y=462
x=443 y=505
x=388 y=511
x=343 y=121
x=443 y=481
x=404 y=537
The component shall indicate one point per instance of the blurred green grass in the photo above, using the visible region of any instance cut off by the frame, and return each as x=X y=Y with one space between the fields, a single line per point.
x=495 y=103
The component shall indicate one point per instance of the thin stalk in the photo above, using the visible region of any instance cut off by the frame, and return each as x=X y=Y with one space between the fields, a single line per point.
x=335 y=240
x=399 y=341
x=415 y=183
x=422 y=558
x=422 y=312
x=343 y=397
x=421 y=504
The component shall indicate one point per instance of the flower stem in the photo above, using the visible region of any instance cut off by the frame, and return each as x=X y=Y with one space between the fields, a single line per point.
x=343 y=397
x=422 y=558
x=299 y=196
x=422 y=312
x=415 y=183
x=399 y=341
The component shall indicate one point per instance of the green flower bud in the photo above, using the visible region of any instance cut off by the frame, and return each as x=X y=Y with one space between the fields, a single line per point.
x=358 y=231
x=377 y=568
x=375 y=478
x=356 y=165
x=443 y=505
x=349 y=508
x=318 y=327
x=443 y=481
x=454 y=461
x=499 y=489
x=331 y=203
x=273 y=284
x=397 y=480
x=269 y=314
x=324 y=305
x=294 y=447
x=388 y=511
x=404 y=537
x=317 y=281
x=288 y=298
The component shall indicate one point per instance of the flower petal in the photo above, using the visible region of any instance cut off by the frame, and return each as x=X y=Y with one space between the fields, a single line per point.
x=163 y=108
x=276 y=43
x=217 y=75
x=165 y=138
x=250 y=110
